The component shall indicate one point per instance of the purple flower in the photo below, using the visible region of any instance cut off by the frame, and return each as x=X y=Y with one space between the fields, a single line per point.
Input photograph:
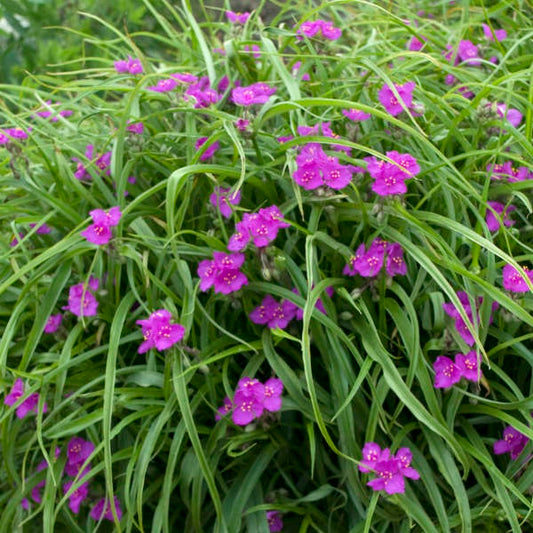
x=356 y=115
x=272 y=394
x=257 y=93
x=81 y=301
x=513 y=116
x=208 y=152
x=43 y=229
x=371 y=455
x=390 y=177
x=102 y=510
x=248 y=401
x=415 y=44
x=468 y=52
x=6 y=136
x=31 y=403
x=77 y=496
x=53 y=323
x=221 y=199
x=158 y=332
x=390 y=470
x=222 y=272
x=460 y=325
x=237 y=18
x=130 y=65
x=493 y=223
x=513 y=280
x=226 y=407
x=312 y=28
x=48 y=113
x=135 y=127
x=370 y=263
x=201 y=93
x=242 y=124
x=78 y=451
x=273 y=313
x=447 y=373
x=468 y=364
x=389 y=100
x=275 y=523
x=498 y=35
x=513 y=442
x=395 y=262
x=100 y=232
x=164 y=86
x=102 y=162
x=507 y=171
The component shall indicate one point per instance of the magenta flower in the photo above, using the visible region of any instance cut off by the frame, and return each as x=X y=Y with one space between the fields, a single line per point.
x=81 y=301
x=78 y=451
x=77 y=496
x=242 y=124
x=390 y=177
x=102 y=510
x=223 y=273
x=273 y=313
x=395 y=262
x=53 y=323
x=226 y=407
x=221 y=199
x=130 y=65
x=101 y=161
x=158 y=332
x=493 y=223
x=275 y=523
x=447 y=373
x=135 y=127
x=17 y=134
x=43 y=229
x=498 y=35
x=370 y=263
x=185 y=77
x=201 y=93
x=513 y=116
x=312 y=28
x=208 y=152
x=248 y=401
x=468 y=364
x=460 y=325
x=164 y=86
x=390 y=470
x=237 y=18
x=389 y=100
x=273 y=392
x=467 y=51
x=415 y=44
x=31 y=403
x=356 y=115
x=508 y=172
x=100 y=232
x=257 y=93
x=47 y=113
x=513 y=442
x=513 y=280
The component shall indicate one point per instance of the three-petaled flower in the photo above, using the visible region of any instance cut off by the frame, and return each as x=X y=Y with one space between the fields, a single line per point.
x=158 y=332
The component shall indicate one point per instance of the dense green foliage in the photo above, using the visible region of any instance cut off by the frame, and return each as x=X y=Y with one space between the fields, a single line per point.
x=362 y=371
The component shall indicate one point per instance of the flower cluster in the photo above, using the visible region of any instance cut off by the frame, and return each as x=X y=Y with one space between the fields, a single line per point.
x=257 y=93
x=316 y=169
x=10 y=134
x=222 y=272
x=237 y=18
x=100 y=231
x=201 y=94
x=251 y=399
x=460 y=324
x=390 y=469
x=448 y=372
x=81 y=300
x=389 y=177
x=158 y=332
x=209 y=151
x=323 y=27
x=513 y=280
x=506 y=171
x=368 y=263
x=130 y=65
x=221 y=199
x=513 y=442
x=31 y=403
x=262 y=227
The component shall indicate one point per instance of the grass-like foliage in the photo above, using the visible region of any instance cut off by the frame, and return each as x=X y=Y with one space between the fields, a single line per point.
x=321 y=223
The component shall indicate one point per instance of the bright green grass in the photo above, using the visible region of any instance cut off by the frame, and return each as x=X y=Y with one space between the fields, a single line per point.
x=362 y=372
